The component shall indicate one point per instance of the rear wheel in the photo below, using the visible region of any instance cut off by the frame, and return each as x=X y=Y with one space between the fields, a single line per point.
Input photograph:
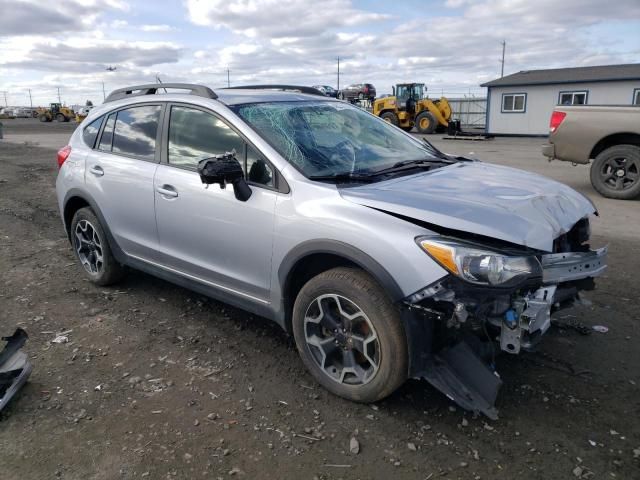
x=91 y=248
x=61 y=118
x=390 y=117
x=350 y=336
x=426 y=122
x=615 y=172
x=43 y=118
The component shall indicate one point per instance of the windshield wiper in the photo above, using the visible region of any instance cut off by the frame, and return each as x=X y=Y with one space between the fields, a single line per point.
x=409 y=165
x=343 y=176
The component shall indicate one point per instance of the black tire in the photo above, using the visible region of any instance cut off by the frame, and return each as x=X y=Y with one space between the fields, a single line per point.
x=43 y=118
x=390 y=117
x=426 y=122
x=357 y=287
x=615 y=172
x=60 y=118
x=110 y=271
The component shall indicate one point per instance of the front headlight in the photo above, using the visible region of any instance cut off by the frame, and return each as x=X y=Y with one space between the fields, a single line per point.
x=479 y=265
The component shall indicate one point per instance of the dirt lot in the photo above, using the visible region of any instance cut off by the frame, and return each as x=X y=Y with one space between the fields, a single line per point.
x=157 y=382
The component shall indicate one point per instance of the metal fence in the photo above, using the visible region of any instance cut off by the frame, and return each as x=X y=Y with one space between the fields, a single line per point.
x=471 y=111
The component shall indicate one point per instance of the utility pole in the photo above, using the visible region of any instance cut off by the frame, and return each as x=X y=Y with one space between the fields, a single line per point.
x=504 y=46
x=30 y=99
x=59 y=101
x=104 y=94
x=5 y=99
x=228 y=79
x=338 y=74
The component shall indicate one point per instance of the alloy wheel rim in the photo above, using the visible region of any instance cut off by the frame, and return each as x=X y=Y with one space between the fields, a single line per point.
x=88 y=247
x=620 y=173
x=342 y=340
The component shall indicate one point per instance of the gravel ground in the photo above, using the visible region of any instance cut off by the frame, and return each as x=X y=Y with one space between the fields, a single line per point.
x=157 y=382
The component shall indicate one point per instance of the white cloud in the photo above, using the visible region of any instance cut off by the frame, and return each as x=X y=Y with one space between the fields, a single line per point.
x=279 y=18
x=156 y=28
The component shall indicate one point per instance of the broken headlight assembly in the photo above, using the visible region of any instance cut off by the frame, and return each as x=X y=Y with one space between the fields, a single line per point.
x=480 y=265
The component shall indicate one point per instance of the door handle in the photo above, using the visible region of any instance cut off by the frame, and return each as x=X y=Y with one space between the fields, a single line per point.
x=97 y=170
x=167 y=191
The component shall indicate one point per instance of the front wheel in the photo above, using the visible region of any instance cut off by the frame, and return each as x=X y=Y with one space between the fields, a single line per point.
x=350 y=335
x=426 y=123
x=615 y=172
x=61 y=118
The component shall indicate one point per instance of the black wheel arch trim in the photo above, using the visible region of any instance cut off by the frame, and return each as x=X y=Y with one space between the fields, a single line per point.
x=349 y=252
x=118 y=253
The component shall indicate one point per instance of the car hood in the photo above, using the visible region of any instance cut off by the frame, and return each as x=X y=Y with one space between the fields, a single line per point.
x=498 y=202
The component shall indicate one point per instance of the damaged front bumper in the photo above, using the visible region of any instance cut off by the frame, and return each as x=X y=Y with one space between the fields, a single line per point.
x=466 y=322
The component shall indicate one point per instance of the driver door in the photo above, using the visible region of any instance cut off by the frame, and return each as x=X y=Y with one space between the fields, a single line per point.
x=204 y=233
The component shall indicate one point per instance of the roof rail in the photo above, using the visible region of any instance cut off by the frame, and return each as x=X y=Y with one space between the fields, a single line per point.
x=293 y=88
x=152 y=88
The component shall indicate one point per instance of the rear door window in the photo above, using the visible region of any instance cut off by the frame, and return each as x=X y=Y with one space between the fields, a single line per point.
x=107 y=134
x=90 y=132
x=135 y=132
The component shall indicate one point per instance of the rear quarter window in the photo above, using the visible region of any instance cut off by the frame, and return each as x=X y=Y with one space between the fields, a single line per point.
x=90 y=132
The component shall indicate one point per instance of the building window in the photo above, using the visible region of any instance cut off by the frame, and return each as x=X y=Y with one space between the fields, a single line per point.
x=573 y=98
x=636 y=96
x=514 y=102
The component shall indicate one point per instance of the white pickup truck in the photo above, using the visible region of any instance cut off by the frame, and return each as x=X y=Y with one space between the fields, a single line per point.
x=608 y=135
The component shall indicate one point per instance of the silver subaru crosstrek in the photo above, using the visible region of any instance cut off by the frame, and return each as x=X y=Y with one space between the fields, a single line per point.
x=384 y=257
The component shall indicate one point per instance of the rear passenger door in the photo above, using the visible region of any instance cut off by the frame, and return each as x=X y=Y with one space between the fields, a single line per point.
x=206 y=233
x=119 y=176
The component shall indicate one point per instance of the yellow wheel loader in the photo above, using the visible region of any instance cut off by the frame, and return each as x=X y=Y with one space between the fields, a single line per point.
x=55 y=111
x=409 y=107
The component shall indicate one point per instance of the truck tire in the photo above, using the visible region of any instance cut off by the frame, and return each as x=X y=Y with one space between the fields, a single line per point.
x=60 y=118
x=390 y=117
x=615 y=172
x=43 y=118
x=350 y=335
x=426 y=122
x=91 y=248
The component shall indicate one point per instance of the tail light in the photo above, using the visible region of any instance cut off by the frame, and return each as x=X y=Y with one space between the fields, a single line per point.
x=63 y=154
x=556 y=120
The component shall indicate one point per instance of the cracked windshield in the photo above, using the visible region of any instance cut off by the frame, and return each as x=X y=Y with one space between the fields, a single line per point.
x=331 y=138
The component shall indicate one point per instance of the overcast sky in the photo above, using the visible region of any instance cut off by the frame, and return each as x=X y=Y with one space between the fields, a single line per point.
x=451 y=45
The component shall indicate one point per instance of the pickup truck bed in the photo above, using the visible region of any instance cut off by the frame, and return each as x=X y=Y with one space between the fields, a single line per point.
x=608 y=135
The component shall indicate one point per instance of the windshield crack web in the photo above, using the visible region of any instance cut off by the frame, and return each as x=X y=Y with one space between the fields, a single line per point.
x=273 y=120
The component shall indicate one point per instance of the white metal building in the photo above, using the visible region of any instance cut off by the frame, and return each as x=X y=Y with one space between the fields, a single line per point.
x=521 y=103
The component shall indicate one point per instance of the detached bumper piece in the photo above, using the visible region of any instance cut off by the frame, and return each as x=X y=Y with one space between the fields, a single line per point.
x=14 y=366
x=463 y=377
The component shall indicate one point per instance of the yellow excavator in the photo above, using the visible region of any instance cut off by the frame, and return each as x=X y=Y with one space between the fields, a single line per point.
x=409 y=107
x=55 y=111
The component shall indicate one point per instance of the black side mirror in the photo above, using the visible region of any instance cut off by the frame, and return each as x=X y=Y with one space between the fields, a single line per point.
x=224 y=169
